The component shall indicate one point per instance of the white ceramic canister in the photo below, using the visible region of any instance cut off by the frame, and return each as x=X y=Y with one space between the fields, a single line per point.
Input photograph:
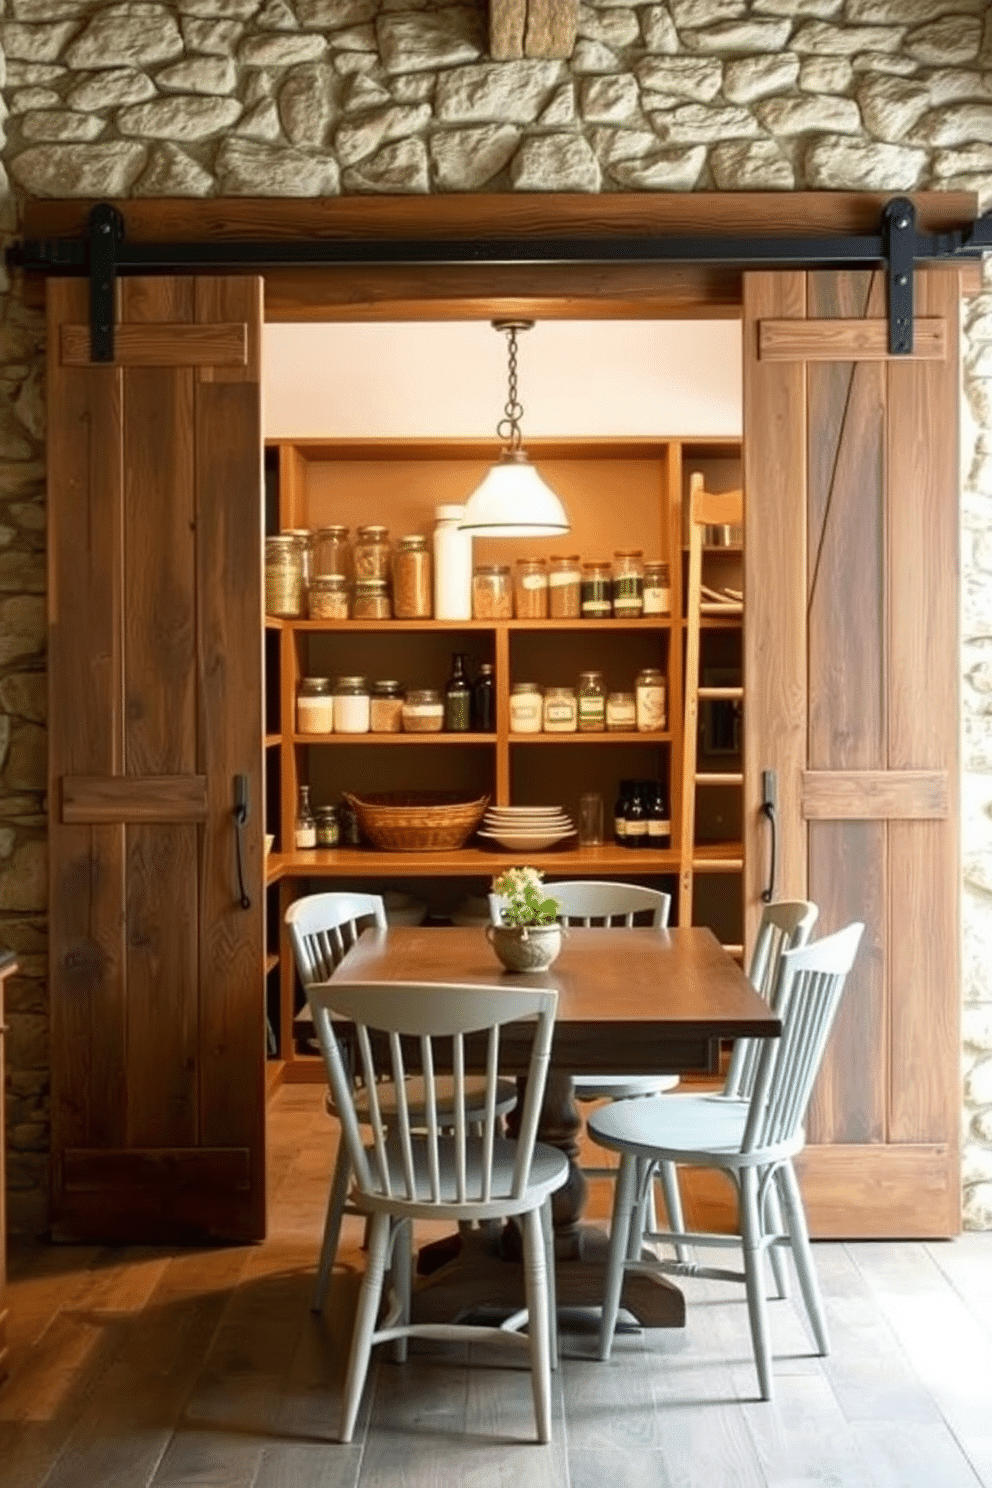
x=452 y=565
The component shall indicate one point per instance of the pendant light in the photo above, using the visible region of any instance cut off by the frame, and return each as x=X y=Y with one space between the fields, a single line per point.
x=513 y=500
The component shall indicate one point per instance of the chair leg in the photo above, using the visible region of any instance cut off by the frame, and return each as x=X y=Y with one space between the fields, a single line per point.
x=536 y=1285
x=332 y=1225
x=757 y=1306
x=547 y=1229
x=803 y=1256
x=369 y=1298
x=624 y=1203
x=777 y=1256
x=401 y=1276
x=669 y=1175
x=642 y=1215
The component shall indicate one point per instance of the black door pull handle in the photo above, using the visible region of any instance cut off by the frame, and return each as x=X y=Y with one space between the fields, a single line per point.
x=768 y=798
x=240 y=814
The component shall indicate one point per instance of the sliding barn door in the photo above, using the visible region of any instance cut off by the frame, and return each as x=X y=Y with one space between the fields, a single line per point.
x=851 y=668
x=155 y=668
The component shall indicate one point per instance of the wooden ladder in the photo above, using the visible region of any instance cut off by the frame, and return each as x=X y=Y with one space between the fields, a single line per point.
x=705 y=509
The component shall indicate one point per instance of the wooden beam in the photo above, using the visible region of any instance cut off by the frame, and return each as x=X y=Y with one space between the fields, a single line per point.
x=847 y=340
x=507 y=23
x=551 y=28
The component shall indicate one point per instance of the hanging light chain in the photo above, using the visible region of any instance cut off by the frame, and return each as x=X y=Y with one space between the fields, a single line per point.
x=508 y=428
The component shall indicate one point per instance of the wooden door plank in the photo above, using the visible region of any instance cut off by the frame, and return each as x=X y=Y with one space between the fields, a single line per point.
x=126 y=798
x=839 y=340
x=841 y=1185
x=164 y=345
x=875 y=794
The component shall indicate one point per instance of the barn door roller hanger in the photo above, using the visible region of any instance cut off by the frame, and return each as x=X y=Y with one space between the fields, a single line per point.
x=104 y=253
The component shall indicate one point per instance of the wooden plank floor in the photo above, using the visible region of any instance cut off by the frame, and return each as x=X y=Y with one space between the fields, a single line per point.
x=155 y=1368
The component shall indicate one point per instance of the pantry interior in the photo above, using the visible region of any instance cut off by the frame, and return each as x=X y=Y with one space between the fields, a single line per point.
x=381 y=424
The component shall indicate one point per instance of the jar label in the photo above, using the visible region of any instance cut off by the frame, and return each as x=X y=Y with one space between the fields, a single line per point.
x=559 y=713
x=305 y=837
x=657 y=601
x=659 y=828
x=619 y=826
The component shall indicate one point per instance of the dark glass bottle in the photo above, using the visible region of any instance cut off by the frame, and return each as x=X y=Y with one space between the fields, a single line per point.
x=659 y=821
x=636 y=819
x=349 y=832
x=458 y=698
x=620 y=811
x=484 y=700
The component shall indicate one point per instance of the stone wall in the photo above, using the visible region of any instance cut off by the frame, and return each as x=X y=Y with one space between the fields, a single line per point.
x=295 y=98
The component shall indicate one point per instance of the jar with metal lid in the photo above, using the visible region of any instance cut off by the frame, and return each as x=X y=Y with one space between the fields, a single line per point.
x=526 y=708
x=371 y=600
x=423 y=711
x=492 y=592
x=327 y=597
x=328 y=830
x=561 y=713
x=621 y=712
x=530 y=589
x=628 y=583
x=372 y=553
x=413 y=584
x=592 y=703
x=304 y=537
x=285 y=580
x=597 y=591
x=386 y=707
x=650 y=692
x=565 y=588
x=657 y=588
x=314 y=706
x=352 y=712
x=330 y=552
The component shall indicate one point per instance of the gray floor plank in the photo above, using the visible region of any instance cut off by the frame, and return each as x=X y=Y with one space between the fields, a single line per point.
x=907 y=1454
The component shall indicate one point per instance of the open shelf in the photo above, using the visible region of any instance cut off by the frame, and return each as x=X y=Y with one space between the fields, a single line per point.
x=375 y=740
x=467 y=862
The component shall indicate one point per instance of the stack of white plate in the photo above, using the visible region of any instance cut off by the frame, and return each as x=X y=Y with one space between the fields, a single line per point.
x=526 y=828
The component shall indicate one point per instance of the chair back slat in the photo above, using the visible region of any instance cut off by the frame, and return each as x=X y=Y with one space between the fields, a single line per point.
x=586 y=902
x=432 y=1125
x=323 y=927
x=489 y=1122
x=402 y=1122
x=806 y=997
x=783 y=926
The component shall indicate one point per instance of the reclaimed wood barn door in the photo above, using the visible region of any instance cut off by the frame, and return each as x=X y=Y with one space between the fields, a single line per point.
x=851 y=665
x=155 y=667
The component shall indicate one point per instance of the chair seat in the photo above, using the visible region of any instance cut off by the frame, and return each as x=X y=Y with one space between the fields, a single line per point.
x=621 y=1087
x=549 y=1170
x=679 y=1128
x=475 y=1095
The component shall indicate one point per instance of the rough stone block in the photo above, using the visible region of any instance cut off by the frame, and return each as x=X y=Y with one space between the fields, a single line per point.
x=738 y=36
x=838 y=164
x=658 y=30
x=977 y=1206
x=466 y=159
x=891 y=106
x=22 y=627
x=190 y=117
x=555 y=162
x=24 y=878
x=280 y=49
x=35 y=43
x=697 y=79
x=751 y=166
x=952 y=39
x=809 y=113
x=755 y=77
x=400 y=168
x=247 y=169
x=662 y=170
x=130 y=35
x=199 y=75
x=430 y=40
x=594 y=58
x=609 y=100
x=101 y=170
x=821 y=40
x=495 y=93
x=308 y=103
x=171 y=172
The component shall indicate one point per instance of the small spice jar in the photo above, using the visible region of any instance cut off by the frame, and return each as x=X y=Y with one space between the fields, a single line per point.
x=621 y=712
x=423 y=711
x=413 y=583
x=352 y=713
x=565 y=588
x=650 y=693
x=371 y=601
x=328 y=831
x=657 y=588
x=530 y=589
x=386 y=708
x=314 y=706
x=628 y=584
x=597 y=591
x=330 y=552
x=492 y=592
x=592 y=703
x=285 y=581
x=561 y=712
x=372 y=553
x=327 y=597
x=526 y=708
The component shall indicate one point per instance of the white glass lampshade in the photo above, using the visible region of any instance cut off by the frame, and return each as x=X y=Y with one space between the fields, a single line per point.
x=513 y=501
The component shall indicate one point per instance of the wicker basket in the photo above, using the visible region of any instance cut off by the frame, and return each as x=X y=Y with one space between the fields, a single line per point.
x=418 y=821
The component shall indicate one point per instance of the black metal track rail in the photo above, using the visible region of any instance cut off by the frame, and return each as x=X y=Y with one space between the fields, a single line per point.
x=105 y=253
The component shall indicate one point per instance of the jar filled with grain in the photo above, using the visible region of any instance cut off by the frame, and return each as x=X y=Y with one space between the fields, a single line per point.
x=413 y=583
x=628 y=584
x=621 y=712
x=285 y=582
x=526 y=708
x=423 y=711
x=372 y=553
x=330 y=552
x=597 y=591
x=352 y=710
x=657 y=588
x=592 y=703
x=328 y=829
x=650 y=692
x=561 y=714
x=304 y=537
x=314 y=706
x=371 y=600
x=565 y=588
x=386 y=707
x=492 y=592
x=327 y=597
x=530 y=589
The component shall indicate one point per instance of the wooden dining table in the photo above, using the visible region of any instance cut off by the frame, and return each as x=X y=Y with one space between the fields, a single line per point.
x=630 y=1001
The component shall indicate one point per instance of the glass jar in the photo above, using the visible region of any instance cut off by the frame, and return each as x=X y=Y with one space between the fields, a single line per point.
x=597 y=591
x=621 y=712
x=285 y=582
x=413 y=585
x=657 y=588
x=423 y=711
x=330 y=553
x=314 y=706
x=526 y=708
x=372 y=553
x=371 y=601
x=328 y=831
x=530 y=589
x=304 y=828
x=304 y=537
x=650 y=692
x=327 y=597
x=565 y=588
x=592 y=703
x=452 y=565
x=352 y=706
x=561 y=713
x=628 y=583
x=492 y=592
x=386 y=707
